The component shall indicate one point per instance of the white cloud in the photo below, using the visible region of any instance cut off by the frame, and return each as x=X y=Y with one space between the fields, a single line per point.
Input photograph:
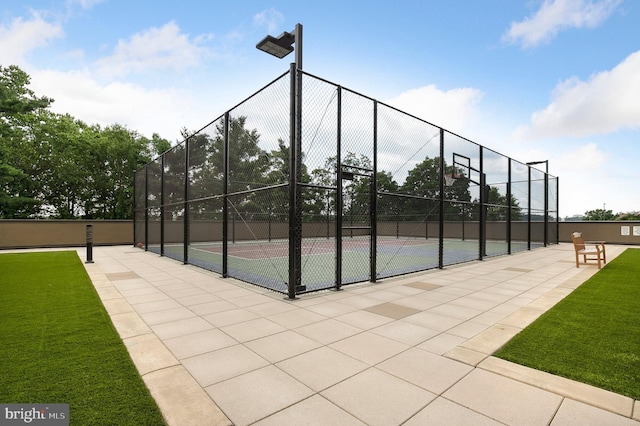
x=97 y=94
x=84 y=4
x=146 y=111
x=153 y=49
x=585 y=181
x=556 y=15
x=585 y=157
x=23 y=36
x=270 y=18
x=453 y=109
x=606 y=103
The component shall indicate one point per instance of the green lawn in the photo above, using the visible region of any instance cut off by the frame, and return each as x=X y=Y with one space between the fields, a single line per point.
x=59 y=345
x=593 y=335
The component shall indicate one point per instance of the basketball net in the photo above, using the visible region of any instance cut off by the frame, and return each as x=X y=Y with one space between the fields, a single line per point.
x=449 y=179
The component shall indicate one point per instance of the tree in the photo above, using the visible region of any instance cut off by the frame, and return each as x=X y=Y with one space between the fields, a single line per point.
x=279 y=172
x=249 y=167
x=76 y=170
x=423 y=184
x=17 y=105
x=15 y=97
x=115 y=152
x=629 y=216
x=497 y=206
x=355 y=189
x=599 y=214
x=356 y=198
x=60 y=143
x=387 y=205
x=53 y=165
x=158 y=145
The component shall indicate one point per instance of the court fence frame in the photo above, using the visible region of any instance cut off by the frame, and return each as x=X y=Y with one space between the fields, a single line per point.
x=328 y=166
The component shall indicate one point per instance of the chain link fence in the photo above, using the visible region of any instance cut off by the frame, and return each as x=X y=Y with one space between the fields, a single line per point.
x=370 y=192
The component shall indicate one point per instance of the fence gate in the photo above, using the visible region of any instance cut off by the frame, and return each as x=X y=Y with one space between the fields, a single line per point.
x=356 y=225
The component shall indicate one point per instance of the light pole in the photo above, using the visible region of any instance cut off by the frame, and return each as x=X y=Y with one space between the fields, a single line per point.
x=280 y=47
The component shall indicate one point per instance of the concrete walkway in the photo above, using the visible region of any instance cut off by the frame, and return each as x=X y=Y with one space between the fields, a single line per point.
x=412 y=350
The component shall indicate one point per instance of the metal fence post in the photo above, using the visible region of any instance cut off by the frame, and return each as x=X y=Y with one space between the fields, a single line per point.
x=338 y=230
x=146 y=207
x=484 y=195
x=373 y=218
x=225 y=199
x=557 y=206
x=162 y=202
x=294 y=235
x=509 y=206
x=528 y=207
x=134 y=207
x=546 y=209
x=441 y=221
x=187 y=231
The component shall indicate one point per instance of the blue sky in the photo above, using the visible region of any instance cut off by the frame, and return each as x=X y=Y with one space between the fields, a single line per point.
x=531 y=79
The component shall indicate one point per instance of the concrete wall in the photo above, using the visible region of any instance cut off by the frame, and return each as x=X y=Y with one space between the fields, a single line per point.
x=67 y=233
x=63 y=233
x=212 y=230
x=608 y=231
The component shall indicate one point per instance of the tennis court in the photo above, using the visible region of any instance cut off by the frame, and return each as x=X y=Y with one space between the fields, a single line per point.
x=266 y=263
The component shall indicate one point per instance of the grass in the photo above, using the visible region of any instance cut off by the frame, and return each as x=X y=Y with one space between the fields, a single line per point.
x=592 y=335
x=59 y=345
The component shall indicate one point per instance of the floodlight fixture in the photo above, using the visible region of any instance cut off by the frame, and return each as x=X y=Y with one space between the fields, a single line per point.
x=278 y=47
x=282 y=45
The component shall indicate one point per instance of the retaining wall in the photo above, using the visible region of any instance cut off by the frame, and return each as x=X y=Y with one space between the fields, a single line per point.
x=63 y=233
x=69 y=233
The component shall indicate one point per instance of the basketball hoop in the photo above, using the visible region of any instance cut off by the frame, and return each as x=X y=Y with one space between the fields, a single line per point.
x=449 y=179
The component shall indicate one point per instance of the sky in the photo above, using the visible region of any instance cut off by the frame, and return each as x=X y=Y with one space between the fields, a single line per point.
x=535 y=80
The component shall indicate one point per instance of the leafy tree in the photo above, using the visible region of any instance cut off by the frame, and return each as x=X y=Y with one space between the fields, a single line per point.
x=158 y=145
x=599 y=214
x=12 y=203
x=323 y=201
x=15 y=97
x=629 y=216
x=249 y=167
x=423 y=182
x=117 y=153
x=53 y=165
x=356 y=198
x=387 y=205
x=497 y=206
x=355 y=189
x=17 y=105
x=277 y=200
x=206 y=166
x=60 y=143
